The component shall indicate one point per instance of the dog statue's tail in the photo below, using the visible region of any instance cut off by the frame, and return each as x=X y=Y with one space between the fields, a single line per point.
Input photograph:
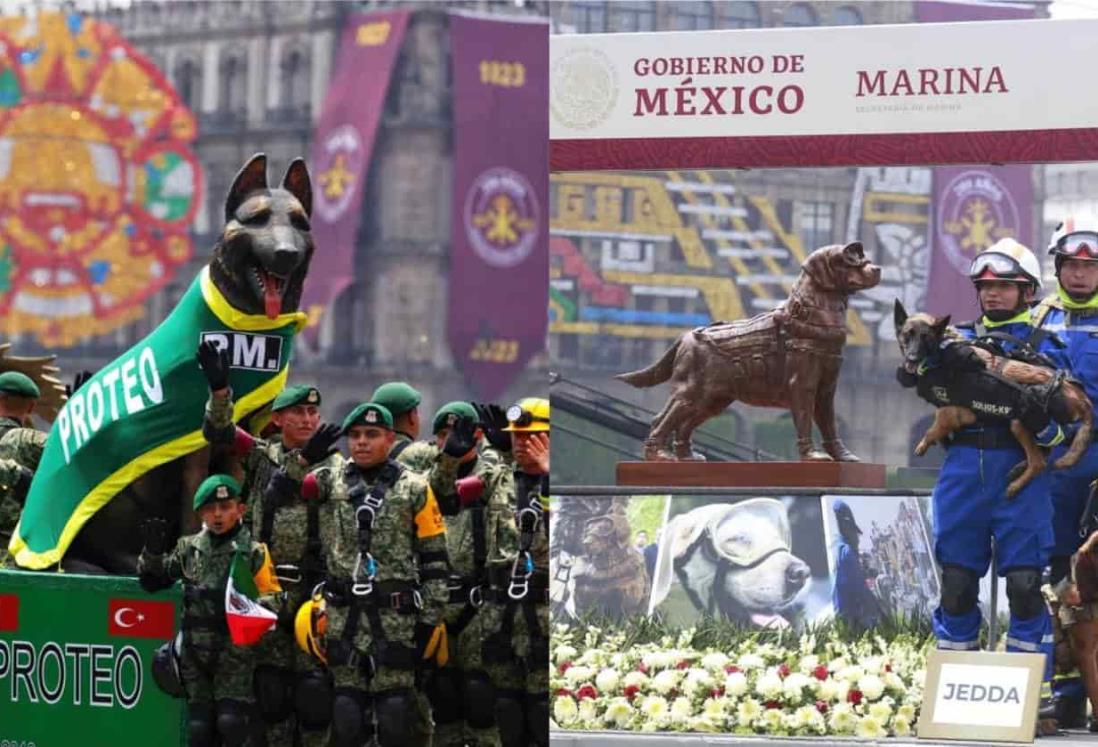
x=657 y=373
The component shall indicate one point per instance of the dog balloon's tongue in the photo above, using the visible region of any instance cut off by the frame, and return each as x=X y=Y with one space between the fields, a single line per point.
x=272 y=295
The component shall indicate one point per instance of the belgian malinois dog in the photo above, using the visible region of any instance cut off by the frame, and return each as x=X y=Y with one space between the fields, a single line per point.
x=920 y=337
x=789 y=357
x=259 y=264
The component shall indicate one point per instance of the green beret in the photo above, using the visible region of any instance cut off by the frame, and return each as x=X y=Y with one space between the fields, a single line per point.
x=216 y=488
x=369 y=413
x=397 y=396
x=19 y=385
x=450 y=412
x=301 y=394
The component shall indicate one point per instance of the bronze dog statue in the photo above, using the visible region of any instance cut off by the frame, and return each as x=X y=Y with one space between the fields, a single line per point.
x=789 y=357
x=920 y=335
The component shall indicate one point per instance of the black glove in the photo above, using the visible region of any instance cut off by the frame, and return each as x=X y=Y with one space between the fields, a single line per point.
x=961 y=357
x=153 y=583
x=319 y=446
x=155 y=533
x=1033 y=414
x=907 y=380
x=214 y=364
x=462 y=437
x=493 y=420
x=81 y=378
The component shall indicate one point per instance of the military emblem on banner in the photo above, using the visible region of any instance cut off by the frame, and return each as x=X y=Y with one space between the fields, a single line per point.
x=584 y=88
x=341 y=161
x=98 y=183
x=502 y=217
x=976 y=209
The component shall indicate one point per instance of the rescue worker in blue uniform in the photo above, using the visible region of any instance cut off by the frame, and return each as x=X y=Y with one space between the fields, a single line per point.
x=970 y=503
x=1072 y=314
x=850 y=595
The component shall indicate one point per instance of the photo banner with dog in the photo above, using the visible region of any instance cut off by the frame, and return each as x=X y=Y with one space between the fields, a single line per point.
x=913 y=94
x=342 y=151
x=972 y=208
x=144 y=409
x=500 y=210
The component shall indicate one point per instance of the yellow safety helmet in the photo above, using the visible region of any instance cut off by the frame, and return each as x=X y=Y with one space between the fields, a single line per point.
x=310 y=625
x=530 y=415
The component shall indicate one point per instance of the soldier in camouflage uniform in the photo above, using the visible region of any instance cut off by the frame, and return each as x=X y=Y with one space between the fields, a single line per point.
x=217 y=675
x=521 y=647
x=482 y=541
x=402 y=401
x=385 y=548
x=20 y=450
x=292 y=690
x=18 y=396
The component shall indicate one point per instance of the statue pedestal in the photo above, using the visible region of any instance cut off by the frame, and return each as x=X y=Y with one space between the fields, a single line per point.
x=752 y=474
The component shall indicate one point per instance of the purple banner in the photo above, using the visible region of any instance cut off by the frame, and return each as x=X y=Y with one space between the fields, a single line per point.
x=342 y=148
x=499 y=262
x=973 y=207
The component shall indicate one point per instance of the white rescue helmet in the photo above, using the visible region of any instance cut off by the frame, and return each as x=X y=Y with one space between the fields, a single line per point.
x=1075 y=237
x=1006 y=259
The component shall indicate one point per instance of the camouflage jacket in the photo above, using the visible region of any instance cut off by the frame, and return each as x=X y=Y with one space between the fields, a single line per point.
x=408 y=540
x=496 y=505
x=202 y=561
x=6 y=424
x=424 y=457
x=20 y=450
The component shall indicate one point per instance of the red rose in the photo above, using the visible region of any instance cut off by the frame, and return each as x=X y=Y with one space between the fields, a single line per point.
x=564 y=667
x=564 y=691
x=821 y=706
x=587 y=691
x=820 y=673
x=730 y=669
x=683 y=665
x=854 y=696
x=773 y=704
x=631 y=692
x=783 y=671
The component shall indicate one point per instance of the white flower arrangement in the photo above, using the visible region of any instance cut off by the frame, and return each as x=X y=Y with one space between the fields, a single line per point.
x=812 y=685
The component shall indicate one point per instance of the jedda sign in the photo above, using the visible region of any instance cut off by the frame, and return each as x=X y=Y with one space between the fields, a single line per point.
x=930 y=93
x=981 y=696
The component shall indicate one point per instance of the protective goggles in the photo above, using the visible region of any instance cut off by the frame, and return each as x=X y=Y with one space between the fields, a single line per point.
x=1078 y=245
x=751 y=532
x=999 y=265
x=520 y=418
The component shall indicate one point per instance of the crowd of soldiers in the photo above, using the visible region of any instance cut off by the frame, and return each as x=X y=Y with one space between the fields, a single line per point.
x=409 y=577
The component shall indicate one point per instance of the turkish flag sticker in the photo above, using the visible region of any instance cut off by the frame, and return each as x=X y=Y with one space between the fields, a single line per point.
x=9 y=613
x=139 y=618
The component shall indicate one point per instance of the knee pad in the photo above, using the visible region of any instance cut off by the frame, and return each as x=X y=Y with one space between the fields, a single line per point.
x=537 y=719
x=443 y=689
x=511 y=718
x=960 y=590
x=393 y=710
x=1023 y=590
x=313 y=701
x=348 y=718
x=479 y=700
x=233 y=723
x=201 y=725
x=273 y=691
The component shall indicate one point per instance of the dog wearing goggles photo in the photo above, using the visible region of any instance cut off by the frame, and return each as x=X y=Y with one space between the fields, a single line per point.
x=789 y=357
x=1005 y=380
x=734 y=561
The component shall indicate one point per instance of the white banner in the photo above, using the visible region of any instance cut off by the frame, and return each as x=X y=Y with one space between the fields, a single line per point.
x=956 y=79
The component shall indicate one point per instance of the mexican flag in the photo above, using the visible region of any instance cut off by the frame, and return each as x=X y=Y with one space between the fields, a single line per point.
x=247 y=620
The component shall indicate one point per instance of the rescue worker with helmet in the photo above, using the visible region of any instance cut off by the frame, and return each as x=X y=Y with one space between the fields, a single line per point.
x=382 y=603
x=482 y=541
x=969 y=500
x=1072 y=314
x=217 y=675
x=520 y=649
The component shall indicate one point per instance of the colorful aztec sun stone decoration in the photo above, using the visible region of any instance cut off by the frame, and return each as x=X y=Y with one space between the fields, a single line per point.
x=98 y=183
